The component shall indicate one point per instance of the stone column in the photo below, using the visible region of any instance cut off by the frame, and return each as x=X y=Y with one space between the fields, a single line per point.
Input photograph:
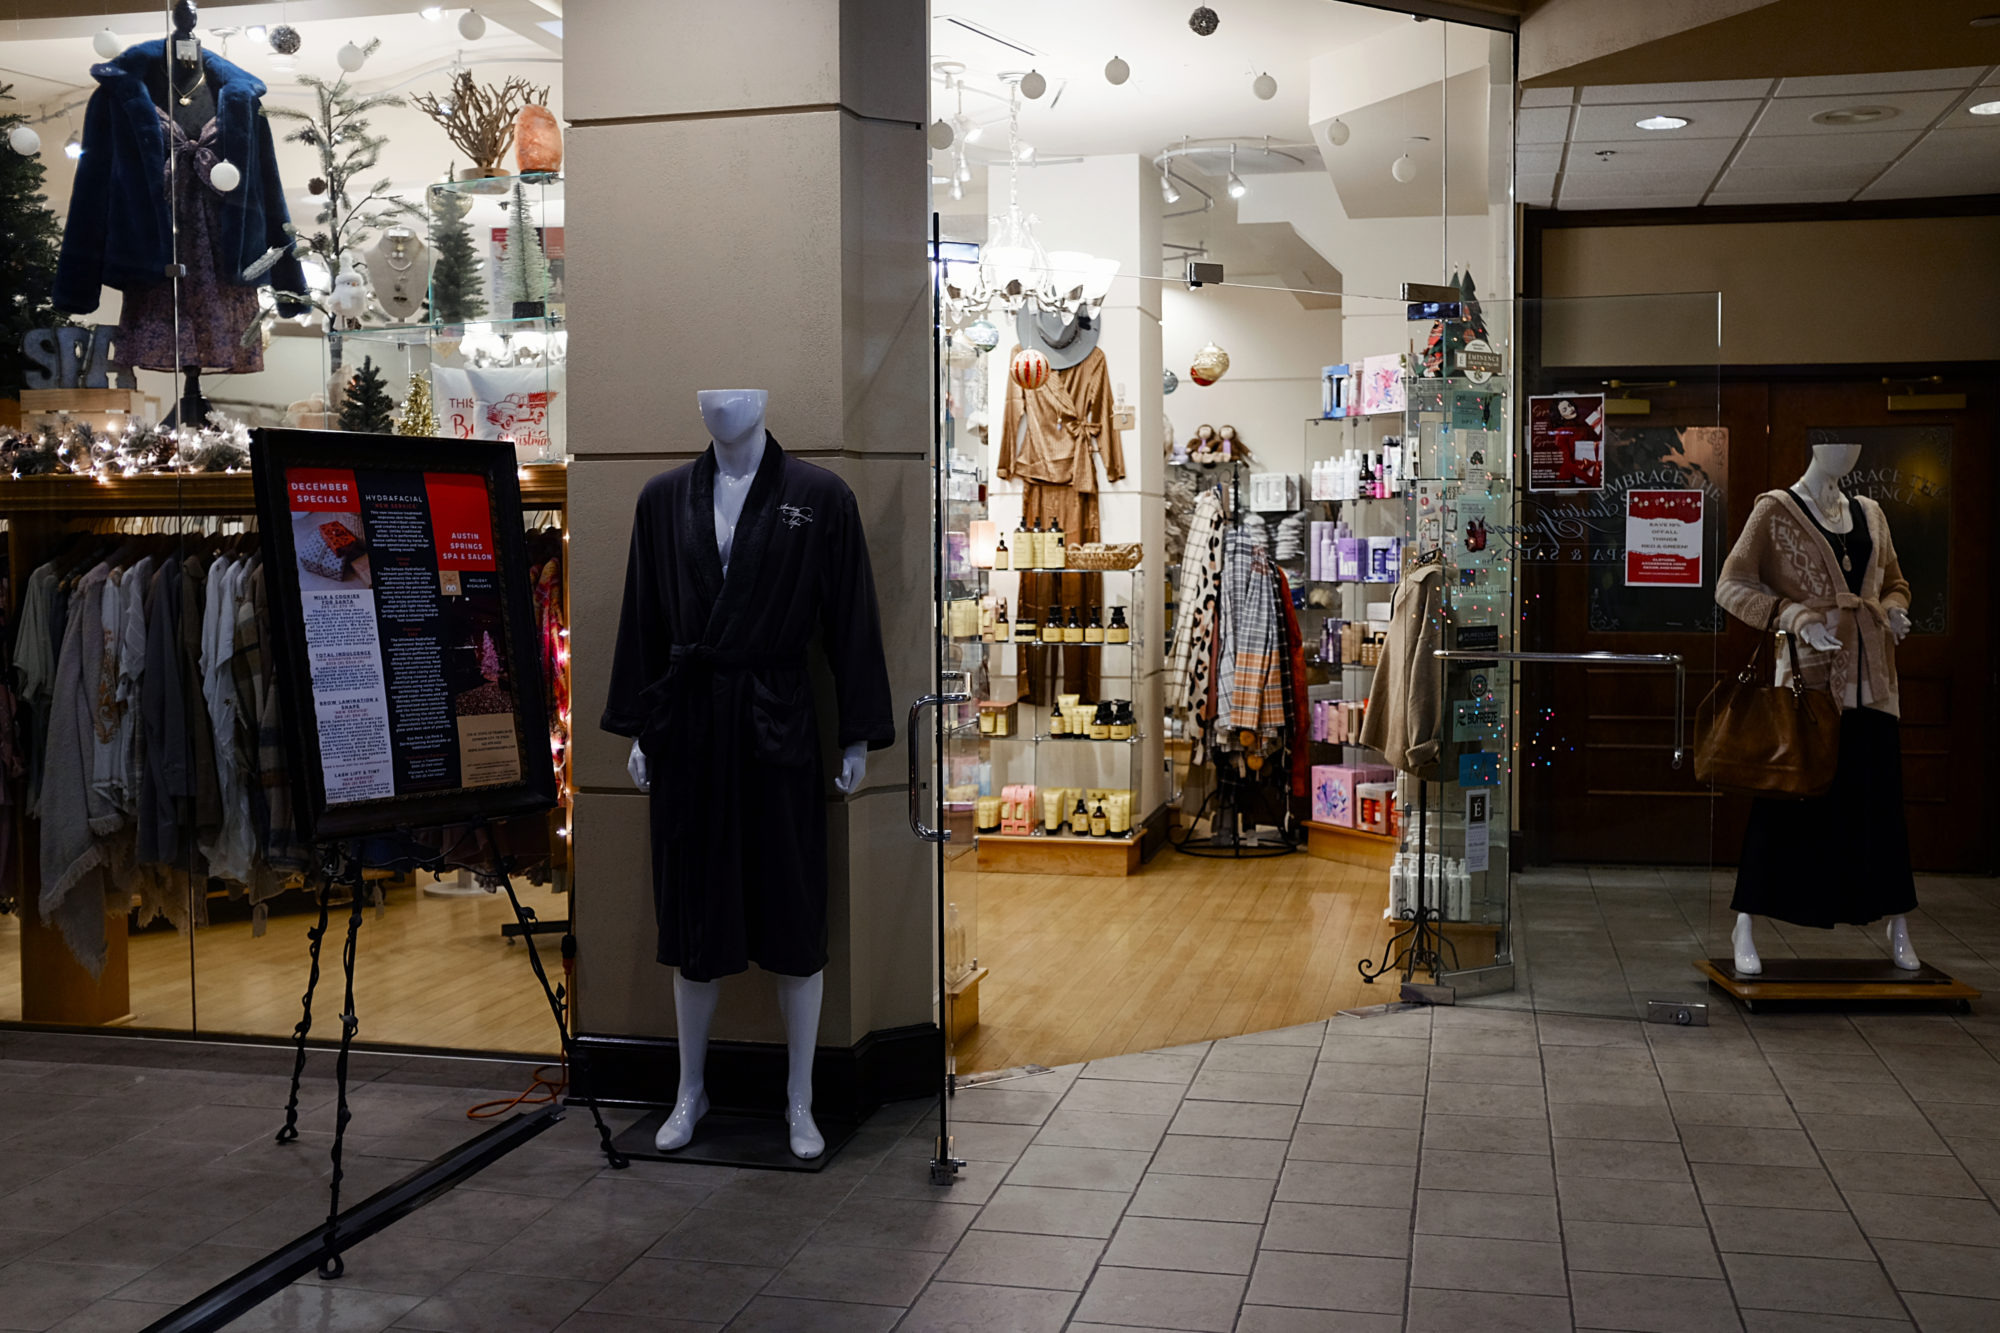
x=747 y=207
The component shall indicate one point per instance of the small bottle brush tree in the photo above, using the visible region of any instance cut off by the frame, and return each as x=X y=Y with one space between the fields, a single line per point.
x=367 y=406
x=524 y=273
x=457 y=283
x=29 y=240
x=418 y=417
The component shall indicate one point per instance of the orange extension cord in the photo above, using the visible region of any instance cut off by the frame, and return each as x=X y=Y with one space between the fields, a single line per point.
x=544 y=1089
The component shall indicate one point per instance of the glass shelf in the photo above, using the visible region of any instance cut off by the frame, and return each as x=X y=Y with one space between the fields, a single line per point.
x=418 y=335
x=492 y=185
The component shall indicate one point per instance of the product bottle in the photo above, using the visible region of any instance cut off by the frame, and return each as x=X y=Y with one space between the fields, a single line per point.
x=1100 y=722
x=1073 y=631
x=1052 y=629
x=1094 y=631
x=1057 y=727
x=1038 y=543
x=1054 y=555
x=1079 y=820
x=1122 y=721
x=1024 y=549
x=1024 y=628
x=1000 y=554
x=1118 y=631
x=1099 y=826
x=1001 y=630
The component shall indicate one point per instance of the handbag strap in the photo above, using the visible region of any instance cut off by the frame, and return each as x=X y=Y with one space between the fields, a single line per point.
x=1748 y=675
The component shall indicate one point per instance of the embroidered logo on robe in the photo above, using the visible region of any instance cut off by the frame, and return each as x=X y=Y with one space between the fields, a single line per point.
x=796 y=516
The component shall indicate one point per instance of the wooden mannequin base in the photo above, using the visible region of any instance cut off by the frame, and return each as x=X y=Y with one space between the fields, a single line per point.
x=1836 y=981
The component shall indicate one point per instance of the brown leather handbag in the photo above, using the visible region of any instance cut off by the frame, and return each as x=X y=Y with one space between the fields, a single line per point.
x=1767 y=740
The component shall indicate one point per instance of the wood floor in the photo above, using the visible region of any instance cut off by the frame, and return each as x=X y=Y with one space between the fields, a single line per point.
x=1186 y=950
x=431 y=971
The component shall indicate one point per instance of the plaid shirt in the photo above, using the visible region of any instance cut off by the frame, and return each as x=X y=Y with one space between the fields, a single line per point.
x=1250 y=689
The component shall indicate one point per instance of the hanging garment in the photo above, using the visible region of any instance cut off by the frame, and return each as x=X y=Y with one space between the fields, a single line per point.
x=76 y=825
x=34 y=675
x=1249 y=682
x=1190 y=660
x=1080 y=670
x=710 y=676
x=1298 y=733
x=1405 y=717
x=1058 y=433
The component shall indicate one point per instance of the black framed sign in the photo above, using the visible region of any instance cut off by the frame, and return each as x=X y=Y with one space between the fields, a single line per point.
x=405 y=635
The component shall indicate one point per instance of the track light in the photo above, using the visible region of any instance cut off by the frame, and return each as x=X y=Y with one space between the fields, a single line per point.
x=73 y=146
x=1237 y=189
x=434 y=13
x=1168 y=191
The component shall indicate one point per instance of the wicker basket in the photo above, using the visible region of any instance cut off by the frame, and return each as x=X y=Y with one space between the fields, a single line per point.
x=1099 y=555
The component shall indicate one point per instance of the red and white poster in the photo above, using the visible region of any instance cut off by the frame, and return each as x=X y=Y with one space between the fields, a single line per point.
x=1566 y=442
x=1663 y=539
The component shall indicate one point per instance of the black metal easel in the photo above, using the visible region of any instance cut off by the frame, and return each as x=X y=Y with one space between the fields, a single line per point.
x=1427 y=942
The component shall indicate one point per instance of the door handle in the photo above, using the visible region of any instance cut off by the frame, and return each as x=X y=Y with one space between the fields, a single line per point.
x=1602 y=659
x=917 y=825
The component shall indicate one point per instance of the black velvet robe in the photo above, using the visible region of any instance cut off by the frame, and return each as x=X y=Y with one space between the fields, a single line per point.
x=710 y=676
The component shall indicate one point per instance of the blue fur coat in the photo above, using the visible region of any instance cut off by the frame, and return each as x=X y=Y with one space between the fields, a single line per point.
x=120 y=231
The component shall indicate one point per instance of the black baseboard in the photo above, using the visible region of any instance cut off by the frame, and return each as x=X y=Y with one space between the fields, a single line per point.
x=891 y=1065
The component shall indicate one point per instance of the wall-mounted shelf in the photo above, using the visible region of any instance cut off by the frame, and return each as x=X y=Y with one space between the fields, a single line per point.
x=166 y=493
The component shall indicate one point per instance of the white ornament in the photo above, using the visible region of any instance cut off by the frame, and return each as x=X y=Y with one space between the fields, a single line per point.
x=106 y=44
x=471 y=26
x=1033 y=84
x=25 y=141
x=1116 y=71
x=941 y=134
x=1265 y=87
x=1336 y=133
x=225 y=177
x=349 y=298
x=351 y=57
x=1404 y=169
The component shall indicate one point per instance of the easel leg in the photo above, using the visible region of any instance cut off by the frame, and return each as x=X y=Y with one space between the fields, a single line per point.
x=290 y=1130
x=526 y=917
x=332 y=1265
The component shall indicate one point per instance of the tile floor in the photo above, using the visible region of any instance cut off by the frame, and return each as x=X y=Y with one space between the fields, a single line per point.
x=1456 y=1169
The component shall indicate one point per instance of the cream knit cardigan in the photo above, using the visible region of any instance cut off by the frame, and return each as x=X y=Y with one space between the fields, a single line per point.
x=1782 y=562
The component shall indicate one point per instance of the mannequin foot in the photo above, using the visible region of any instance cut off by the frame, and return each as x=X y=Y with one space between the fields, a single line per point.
x=1900 y=948
x=678 y=1128
x=1745 y=946
x=807 y=1142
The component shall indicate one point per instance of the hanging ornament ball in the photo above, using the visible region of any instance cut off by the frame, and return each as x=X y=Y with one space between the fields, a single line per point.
x=1210 y=364
x=317 y=185
x=471 y=26
x=1265 y=87
x=225 y=177
x=1030 y=369
x=285 y=40
x=106 y=44
x=981 y=334
x=1116 y=71
x=1204 y=21
x=941 y=134
x=1033 y=84
x=1336 y=133
x=351 y=57
x=1169 y=381
x=25 y=141
x=1404 y=169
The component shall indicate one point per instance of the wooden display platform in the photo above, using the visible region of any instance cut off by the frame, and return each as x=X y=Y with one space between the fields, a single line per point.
x=1012 y=854
x=1354 y=847
x=1836 y=981
x=961 y=1005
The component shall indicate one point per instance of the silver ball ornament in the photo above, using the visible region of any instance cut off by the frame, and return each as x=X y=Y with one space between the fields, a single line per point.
x=471 y=26
x=940 y=134
x=1033 y=84
x=106 y=44
x=24 y=140
x=351 y=57
x=285 y=39
x=224 y=177
x=1116 y=71
x=1204 y=21
x=1265 y=87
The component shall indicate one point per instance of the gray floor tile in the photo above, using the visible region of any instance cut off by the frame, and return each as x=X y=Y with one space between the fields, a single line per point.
x=1235 y=1120
x=1002 y=1107
x=906 y=1174
x=1329 y=1282
x=1102 y=1094
x=1408 y=1080
x=1787 y=1321
x=1498 y=1216
x=829 y=1272
x=1355 y=1143
x=1652 y=1304
x=1921 y=1217
x=1485 y=1133
x=475 y=1216
x=1486 y=1041
x=1801 y=1231
x=1655 y=1202
x=1347 y=1182
x=1149 y=1298
x=1102 y=1129
x=978 y=1141
x=1228 y=1057
x=1754 y=1110
x=1508 y=1099
x=1565 y=1030
x=793 y=1194
x=1811 y=1285
x=1945 y=1270
x=782 y=1314
x=1900 y=1173
x=1499 y=1173
x=39 y=1292
x=1223 y=1085
x=1192 y=1155
x=949 y=1307
x=1193 y=1247
x=1600 y=1159
x=1373 y=1052
x=1513 y=1070
x=328 y=1309
x=1637 y=1247
x=1467 y=1263
x=1490 y=1312
x=1053 y=1212
x=1960 y=1121
x=1148 y=1068
x=715 y=1236
x=1654 y=1124
x=1305 y=1034
x=475 y=1302
x=1566 y=1062
x=1873 y=1133
x=1729 y=1077
x=1280 y=1319
x=1953 y=1314
x=1828 y=1098
x=1007 y=1259
x=1748 y=1146
x=1389 y=1110
x=1202 y=1198
x=899 y=1224
x=1766 y=1186
x=1333 y=1228
x=111 y=1315
x=1080 y=1168
x=1606 y=1090
x=422 y=1265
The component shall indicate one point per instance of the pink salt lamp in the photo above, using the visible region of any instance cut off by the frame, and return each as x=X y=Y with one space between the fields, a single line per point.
x=537 y=140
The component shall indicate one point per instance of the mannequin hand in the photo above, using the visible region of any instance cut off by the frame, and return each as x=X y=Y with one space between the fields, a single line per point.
x=635 y=764
x=853 y=768
x=1899 y=623
x=1819 y=636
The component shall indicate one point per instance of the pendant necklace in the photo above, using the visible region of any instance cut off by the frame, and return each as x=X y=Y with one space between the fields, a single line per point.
x=200 y=77
x=1837 y=539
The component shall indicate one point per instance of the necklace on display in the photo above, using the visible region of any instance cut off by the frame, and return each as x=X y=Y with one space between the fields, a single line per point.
x=200 y=78
x=1839 y=539
x=398 y=250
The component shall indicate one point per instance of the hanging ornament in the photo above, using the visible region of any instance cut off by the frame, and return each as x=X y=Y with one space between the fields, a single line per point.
x=1336 y=133
x=1169 y=381
x=106 y=44
x=1404 y=169
x=471 y=26
x=285 y=40
x=1264 y=86
x=1204 y=21
x=941 y=134
x=981 y=334
x=24 y=140
x=1030 y=369
x=1116 y=71
x=317 y=185
x=225 y=177
x=351 y=57
x=1033 y=84
x=1210 y=364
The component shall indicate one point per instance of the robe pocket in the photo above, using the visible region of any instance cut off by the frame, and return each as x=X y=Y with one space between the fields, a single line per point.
x=781 y=718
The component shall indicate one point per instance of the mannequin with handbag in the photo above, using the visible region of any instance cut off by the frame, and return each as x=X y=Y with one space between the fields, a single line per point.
x=1820 y=746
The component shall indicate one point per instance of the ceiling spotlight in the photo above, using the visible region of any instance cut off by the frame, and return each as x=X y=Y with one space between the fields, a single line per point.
x=957 y=188
x=1404 y=169
x=1168 y=191
x=1337 y=133
x=1237 y=189
x=1033 y=84
x=434 y=13
x=73 y=146
x=1855 y=115
x=1985 y=108
x=1662 y=123
x=1265 y=87
x=257 y=32
x=1116 y=71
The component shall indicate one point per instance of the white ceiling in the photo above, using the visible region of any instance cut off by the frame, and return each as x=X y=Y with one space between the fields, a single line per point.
x=1754 y=141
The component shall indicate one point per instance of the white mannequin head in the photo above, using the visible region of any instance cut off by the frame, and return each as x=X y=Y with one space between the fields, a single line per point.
x=1835 y=460
x=733 y=416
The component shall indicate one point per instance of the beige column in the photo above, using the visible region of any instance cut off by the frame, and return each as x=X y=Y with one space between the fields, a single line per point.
x=747 y=207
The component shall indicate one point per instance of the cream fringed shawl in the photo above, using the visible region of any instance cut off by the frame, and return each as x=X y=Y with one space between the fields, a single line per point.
x=1782 y=563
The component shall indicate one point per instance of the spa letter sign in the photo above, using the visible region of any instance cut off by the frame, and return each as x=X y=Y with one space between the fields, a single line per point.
x=1663 y=539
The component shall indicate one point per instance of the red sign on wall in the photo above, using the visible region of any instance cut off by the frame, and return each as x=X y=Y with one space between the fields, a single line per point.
x=1663 y=539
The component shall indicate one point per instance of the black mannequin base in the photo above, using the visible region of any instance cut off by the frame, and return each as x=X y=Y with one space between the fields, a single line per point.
x=725 y=1139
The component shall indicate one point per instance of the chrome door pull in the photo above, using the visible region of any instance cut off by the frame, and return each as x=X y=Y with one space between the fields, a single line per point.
x=917 y=825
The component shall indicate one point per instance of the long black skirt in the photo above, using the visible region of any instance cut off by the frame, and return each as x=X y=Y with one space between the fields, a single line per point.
x=1838 y=859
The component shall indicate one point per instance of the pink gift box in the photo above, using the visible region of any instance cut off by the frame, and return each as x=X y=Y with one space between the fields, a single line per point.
x=1335 y=799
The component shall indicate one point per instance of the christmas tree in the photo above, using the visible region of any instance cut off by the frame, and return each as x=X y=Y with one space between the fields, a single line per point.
x=29 y=239
x=367 y=406
x=456 y=282
x=418 y=418
x=524 y=274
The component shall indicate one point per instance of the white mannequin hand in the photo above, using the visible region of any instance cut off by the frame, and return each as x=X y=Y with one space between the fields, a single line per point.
x=635 y=764
x=853 y=768
x=1819 y=636
x=1899 y=623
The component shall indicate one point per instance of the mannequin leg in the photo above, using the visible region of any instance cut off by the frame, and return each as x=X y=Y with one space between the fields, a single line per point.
x=1747 y=961
x=694 y=1010
x=1900 y=947
x=799 y=1001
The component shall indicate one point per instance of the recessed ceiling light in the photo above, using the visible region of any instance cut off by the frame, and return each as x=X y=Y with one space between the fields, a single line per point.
x=1985 y=108
x=1855 y=115
x=1662 y=123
